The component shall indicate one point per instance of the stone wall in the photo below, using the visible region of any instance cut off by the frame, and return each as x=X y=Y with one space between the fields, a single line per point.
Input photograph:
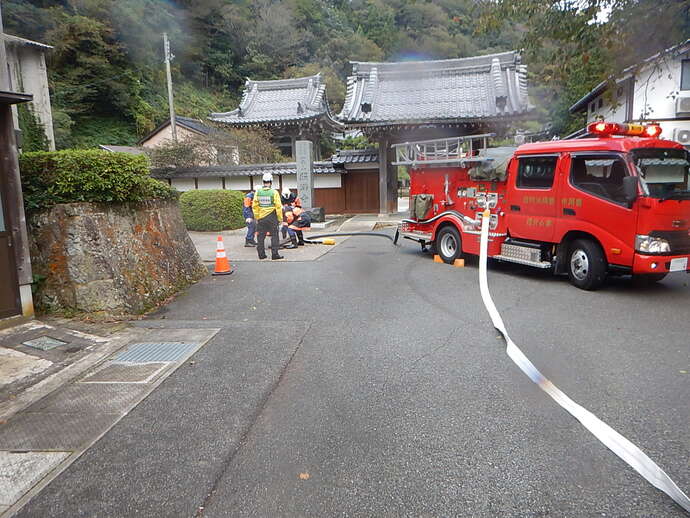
x=119 y=259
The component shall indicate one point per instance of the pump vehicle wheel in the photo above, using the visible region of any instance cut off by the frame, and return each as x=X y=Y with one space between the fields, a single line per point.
x=586 y=265
x=448 y=244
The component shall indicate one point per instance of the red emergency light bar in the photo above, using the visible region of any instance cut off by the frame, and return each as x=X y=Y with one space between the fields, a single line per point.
x=629 y=130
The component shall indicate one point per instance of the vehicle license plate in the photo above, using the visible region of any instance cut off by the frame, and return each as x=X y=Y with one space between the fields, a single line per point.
x=679 y=264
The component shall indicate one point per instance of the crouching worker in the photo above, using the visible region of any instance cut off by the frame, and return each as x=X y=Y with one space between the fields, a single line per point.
x=268 y=211
x=301 y=222
x=288 y=198
x=248 y=215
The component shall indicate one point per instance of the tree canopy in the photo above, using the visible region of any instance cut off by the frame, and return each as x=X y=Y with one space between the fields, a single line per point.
x=108 y=82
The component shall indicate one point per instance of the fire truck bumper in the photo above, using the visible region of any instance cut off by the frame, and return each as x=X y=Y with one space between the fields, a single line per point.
x=661 y=263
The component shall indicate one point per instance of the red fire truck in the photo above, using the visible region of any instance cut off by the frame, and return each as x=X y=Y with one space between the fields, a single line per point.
x=614 y=204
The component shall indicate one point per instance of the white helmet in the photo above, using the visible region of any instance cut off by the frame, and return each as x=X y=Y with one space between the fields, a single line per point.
x=286 y=192
x=268 y=177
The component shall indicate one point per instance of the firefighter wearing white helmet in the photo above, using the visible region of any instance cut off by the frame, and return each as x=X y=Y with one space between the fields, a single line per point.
x=268 y=211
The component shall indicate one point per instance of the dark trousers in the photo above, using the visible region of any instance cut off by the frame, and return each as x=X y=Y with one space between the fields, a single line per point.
x=263 y=226
x=251 y=230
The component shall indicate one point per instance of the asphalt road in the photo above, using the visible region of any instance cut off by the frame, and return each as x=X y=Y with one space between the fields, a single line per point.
x=380 y=389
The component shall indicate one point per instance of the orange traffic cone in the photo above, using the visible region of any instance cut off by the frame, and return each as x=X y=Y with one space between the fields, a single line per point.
x=222 y=264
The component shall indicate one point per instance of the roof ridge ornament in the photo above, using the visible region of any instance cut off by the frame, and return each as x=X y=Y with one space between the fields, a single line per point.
x=500 y=90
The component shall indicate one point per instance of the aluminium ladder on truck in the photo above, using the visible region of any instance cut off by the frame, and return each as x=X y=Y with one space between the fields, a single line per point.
x=462 y=151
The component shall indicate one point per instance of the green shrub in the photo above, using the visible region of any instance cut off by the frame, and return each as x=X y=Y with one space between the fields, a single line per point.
x=212 y=210
x=71 y=176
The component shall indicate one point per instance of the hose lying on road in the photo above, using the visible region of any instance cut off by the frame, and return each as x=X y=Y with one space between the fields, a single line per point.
x=336 y=234
x=614 y=441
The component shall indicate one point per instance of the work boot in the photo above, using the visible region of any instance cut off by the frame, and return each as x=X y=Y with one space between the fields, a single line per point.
x=249 y=243
x=262 y=256
x=276 y=257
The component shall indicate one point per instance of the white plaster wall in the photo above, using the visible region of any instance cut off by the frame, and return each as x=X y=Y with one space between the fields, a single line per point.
x=183 y=184
x=654 y=92
x=258 y=182
x=322 y=181
x=668 y=129
x=210 y=183
x=654 y=87
x=28 y=74
x=612 y=111
x=237 y=183
x=289 y=181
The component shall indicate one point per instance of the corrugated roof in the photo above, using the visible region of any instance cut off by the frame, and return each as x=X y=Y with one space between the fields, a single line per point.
x=193 y=124
x=465 y=89
x=186 y=122
x=281 y=100
x=220 y=171
x=123 y=149
x=356 y=156
x=16 y=40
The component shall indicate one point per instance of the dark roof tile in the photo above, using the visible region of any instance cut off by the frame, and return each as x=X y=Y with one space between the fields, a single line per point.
x=281 y=100
x=220 y=171
x=475 y=88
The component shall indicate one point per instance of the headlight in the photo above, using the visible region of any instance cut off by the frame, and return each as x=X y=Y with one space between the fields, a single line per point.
x=651 y=245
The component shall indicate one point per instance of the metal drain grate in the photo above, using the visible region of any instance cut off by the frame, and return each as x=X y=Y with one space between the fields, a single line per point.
x=155 y=352
x=44 y=343
x=126 y=372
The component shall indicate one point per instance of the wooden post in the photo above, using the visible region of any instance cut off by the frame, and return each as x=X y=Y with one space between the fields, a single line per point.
x=15 y=201
x=383 y=176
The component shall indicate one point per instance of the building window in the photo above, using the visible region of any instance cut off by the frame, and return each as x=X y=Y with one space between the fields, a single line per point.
x=685 y=74
x=600 y=103
x=536 y=172
x=592 y=106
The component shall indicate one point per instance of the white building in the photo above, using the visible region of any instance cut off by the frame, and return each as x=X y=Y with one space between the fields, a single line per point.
x=26 y=62
x=655 y=90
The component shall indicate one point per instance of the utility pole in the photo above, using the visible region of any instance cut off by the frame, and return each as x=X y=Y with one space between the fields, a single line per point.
x=168 y=57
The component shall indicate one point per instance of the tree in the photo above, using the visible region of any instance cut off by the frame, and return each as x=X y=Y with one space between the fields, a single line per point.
x=220 y=146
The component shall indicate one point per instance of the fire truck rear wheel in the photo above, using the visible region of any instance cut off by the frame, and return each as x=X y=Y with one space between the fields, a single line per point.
x=448 y=244
x=586 y=264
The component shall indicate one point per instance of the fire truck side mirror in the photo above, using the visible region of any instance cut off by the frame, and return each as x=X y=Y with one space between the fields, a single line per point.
x=630 y=188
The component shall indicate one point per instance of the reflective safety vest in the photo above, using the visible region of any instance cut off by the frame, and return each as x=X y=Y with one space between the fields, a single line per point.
x=267 y=200
x=265 y=197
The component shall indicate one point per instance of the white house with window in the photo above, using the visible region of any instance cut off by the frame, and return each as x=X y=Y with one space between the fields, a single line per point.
x=655 y=90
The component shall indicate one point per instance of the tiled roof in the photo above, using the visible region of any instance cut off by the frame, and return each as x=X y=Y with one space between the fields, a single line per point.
x=220 y=171
x=282 y=100
x=465 y=89
x=356 y=156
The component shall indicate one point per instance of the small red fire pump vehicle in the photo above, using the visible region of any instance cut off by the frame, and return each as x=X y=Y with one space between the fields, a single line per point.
x=615 y=204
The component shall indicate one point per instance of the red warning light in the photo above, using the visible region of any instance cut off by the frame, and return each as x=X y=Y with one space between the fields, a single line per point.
x=653 y=130
x=607 y=129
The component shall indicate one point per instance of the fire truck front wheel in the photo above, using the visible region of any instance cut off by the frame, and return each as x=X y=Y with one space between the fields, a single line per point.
x=586 y=264
x=448 y=244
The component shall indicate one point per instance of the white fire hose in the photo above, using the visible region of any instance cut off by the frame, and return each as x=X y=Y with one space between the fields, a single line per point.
x=618 y=444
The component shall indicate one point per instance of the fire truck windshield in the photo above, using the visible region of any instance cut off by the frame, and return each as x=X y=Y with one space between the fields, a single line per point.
x=663 y=172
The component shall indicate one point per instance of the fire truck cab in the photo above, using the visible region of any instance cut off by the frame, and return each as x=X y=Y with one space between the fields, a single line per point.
x=615 y=204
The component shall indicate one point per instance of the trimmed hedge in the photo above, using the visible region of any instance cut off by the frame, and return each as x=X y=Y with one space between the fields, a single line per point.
x=69 y=176
x=212 y=210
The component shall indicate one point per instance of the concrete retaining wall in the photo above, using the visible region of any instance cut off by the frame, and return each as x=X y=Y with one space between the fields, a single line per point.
x=113 y=258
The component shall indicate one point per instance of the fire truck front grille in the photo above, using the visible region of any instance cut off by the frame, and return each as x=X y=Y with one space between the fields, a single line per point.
x=678 y=239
